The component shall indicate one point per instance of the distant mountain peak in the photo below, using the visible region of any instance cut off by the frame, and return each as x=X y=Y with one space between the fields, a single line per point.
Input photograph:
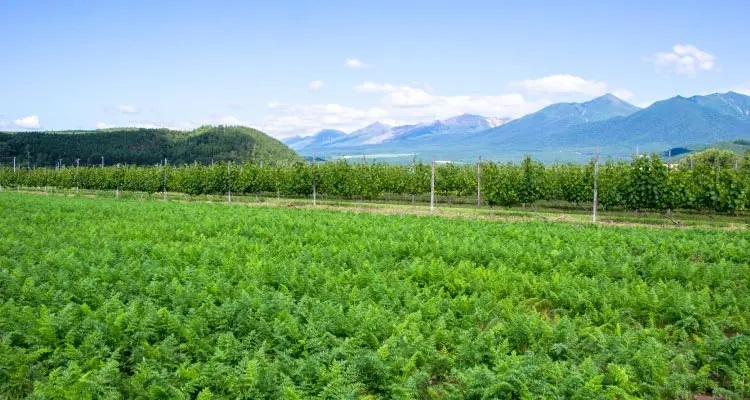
x=729 y=103
x=464 y=117
x=606 y=120
x=330 y=133
x=495 y=121
x=467 y=119
x=608 y=98
x=377 y=125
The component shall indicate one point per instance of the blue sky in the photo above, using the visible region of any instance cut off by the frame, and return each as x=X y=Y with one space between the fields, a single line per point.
x=294 y=67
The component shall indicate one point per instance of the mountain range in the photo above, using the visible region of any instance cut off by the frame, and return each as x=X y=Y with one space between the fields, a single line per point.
x=562 y=131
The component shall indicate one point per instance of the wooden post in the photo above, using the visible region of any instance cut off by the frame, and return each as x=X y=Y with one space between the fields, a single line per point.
x=596 y=193
x=315 y=182
x=229 y=181
x=669 y=159
x=165 y=178
x=413 y=172
x=432 y=186
x=117 y=191
x=102 y=161
x=479 y=182
x=78 y=164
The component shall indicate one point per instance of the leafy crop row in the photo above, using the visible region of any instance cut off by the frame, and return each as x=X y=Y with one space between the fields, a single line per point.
x=115 y=299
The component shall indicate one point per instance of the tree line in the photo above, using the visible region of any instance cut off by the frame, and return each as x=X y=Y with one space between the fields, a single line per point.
x=711 y=181
x=142 y=146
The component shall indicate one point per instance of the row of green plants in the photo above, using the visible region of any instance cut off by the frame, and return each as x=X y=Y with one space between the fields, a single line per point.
x=107 y=299
x=707 y=183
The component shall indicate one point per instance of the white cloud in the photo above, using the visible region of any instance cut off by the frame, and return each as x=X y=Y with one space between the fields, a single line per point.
x=645 y=104
x=684 y=60
x=138 y=124
x=561 y=84
x=128 y=109
x=314 y=86
x=565 y=84
x=624 y=94
x=228 y=120
x=355 y=63
x=373 y=87
x=30 y=122
x=288 y=119
x=398 y=105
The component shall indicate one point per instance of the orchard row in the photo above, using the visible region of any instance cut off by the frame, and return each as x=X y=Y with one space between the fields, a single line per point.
x=644 y=183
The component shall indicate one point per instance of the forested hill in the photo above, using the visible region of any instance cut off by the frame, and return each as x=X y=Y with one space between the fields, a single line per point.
x=144 y=146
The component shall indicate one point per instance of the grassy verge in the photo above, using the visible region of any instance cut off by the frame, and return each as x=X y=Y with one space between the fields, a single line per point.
x=456 y=208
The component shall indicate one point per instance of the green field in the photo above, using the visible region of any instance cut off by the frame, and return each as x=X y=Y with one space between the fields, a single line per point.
x=106 y=298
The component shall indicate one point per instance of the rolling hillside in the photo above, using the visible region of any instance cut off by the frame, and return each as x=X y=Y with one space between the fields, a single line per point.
x=143 y=146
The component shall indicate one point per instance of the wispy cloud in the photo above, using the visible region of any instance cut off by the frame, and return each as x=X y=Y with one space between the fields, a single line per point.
x=684 y=59
x=315 y=86
x=128 y=109
x=397 y=104
x=561 y=84
x=355 y=63
x=744 y=89
x=624 y=94
x=566 y=84
x=374 y=87
x=30 y=122
x=186 y=125
x=645 y=104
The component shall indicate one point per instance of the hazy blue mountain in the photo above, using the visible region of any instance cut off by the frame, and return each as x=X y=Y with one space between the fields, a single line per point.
x=672 y=122
x=290 y=141
x=475 y=122
x=538 y=128
x=730 y=103
x=318 y=140
x=457 y=126
x=563 y=131
x=371 y=134
x=378 y=134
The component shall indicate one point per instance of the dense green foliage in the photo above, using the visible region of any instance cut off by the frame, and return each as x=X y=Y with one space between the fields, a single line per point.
x=143 y=146
x=707 y=181
x=101 y=298
x=737 y=147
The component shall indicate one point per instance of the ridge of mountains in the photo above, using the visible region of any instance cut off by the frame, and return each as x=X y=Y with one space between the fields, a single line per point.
x=558 y=132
